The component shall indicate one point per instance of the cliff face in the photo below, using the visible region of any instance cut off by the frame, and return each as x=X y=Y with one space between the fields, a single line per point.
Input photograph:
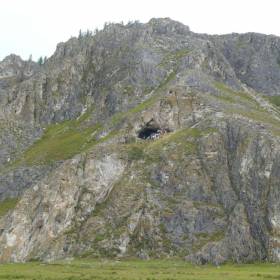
x=142 y=140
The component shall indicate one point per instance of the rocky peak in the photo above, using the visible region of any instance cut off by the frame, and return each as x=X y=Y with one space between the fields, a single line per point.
x=14 y=66
x=12 y=59
x=167 y=26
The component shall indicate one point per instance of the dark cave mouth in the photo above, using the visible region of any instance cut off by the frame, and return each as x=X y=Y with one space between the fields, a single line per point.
x=151 y=132
x=148 y=132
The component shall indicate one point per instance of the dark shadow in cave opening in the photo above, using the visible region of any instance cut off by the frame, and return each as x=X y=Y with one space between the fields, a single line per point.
x=148 y=132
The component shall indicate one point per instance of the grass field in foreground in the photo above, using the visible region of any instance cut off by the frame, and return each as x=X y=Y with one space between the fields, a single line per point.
x=135 y=269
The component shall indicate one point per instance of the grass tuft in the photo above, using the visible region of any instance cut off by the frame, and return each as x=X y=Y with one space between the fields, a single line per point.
x=6 y=205
x=275 y=100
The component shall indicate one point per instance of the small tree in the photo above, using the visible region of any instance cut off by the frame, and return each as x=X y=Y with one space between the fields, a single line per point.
x=88 y=33
x=45 y=60
x=80 y=34
x=40 y=60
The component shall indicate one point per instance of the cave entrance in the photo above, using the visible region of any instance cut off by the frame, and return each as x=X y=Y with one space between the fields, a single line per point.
x=149 y=132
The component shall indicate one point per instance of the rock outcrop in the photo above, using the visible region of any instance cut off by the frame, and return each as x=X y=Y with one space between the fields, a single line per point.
x=143 y=140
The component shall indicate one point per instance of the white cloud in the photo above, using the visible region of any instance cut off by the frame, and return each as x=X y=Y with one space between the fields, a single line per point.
x=36 y=26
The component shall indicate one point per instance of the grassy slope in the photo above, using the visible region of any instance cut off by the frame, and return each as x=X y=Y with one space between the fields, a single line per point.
x=62 y=146
x=7 y=205
x=61 y=141
x=245 y=105
x=275 y=100
x=136 y=269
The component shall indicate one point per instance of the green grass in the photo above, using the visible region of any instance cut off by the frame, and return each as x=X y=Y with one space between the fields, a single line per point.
x=7 y=205
x=260 y=116
x=232 y=96
x=86 y=269
x=275 y=100
x=135 y=153
x=174 y=57
x=176 y=145
x=183 y=138
x=60 y=141
x=249 y=108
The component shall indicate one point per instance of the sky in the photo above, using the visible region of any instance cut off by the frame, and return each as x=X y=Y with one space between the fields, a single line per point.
x=36 y=26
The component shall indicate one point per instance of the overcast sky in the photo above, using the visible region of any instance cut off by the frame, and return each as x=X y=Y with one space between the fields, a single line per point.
x=36 y=26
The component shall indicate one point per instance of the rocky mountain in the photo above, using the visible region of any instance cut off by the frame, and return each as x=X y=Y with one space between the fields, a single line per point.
x=143 y=140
